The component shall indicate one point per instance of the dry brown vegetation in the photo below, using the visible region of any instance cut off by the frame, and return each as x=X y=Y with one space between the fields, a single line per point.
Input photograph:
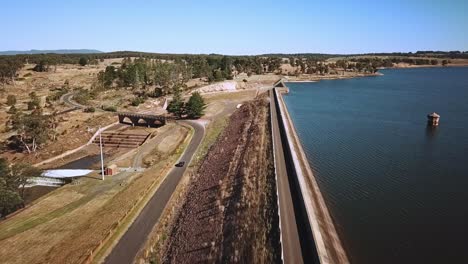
x=76 y=131
x=230 y=213
x=74 y=128
x=453 y=62
x=64 y=225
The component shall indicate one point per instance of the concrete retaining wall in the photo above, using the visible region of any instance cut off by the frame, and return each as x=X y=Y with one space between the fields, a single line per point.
x=69 y=152
x=319 y=240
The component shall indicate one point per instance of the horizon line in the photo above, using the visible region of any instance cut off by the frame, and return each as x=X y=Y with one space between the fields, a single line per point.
x=225 y=54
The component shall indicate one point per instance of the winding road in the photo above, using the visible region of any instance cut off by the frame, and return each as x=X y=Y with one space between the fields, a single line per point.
x=135 y=237
x=67 y=99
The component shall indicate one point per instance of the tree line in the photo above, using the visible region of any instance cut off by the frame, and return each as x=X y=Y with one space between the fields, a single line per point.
x=163 y=75
x=143 y=73
x=388 y=62
x=356 y=64
x=312 y=66
x=8 y=69
x=213 y=66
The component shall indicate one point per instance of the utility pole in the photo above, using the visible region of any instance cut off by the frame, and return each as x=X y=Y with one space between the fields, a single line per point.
x=102 y=155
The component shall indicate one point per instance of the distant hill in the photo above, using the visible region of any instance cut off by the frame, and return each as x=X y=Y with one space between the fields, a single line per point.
x=60 y=51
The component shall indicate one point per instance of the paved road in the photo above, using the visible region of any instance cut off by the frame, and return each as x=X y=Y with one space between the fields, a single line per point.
x=67 y=99
x=290 y=242
x=128 y=246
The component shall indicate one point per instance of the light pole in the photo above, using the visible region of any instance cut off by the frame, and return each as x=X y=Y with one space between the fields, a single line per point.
x=102 y=155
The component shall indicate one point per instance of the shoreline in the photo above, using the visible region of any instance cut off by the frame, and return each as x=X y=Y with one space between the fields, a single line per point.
x=347 y=237
x=426 y=66
x=331 y=77
x=327 y=240
x=316 y=78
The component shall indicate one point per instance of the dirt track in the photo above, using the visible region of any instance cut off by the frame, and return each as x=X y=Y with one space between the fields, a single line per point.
x=230 y=212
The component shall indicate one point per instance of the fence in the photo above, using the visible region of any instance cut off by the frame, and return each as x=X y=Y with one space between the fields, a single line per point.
x=92 y=252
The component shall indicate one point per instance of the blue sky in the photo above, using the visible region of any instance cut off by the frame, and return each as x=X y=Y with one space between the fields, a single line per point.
x=235 y=27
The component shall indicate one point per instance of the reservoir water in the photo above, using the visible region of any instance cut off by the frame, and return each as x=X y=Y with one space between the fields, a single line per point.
x=397 y=190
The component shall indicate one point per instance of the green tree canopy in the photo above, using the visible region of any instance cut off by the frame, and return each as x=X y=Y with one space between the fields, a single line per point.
x=4 y=167
x=34 y=103
x=42 y=66
x=13 y=180
x=176 y=106
x=195 y=106
x=33 y=130
x=9 y=68
x=108 y=76
x=20 y=174
x=10 y=200
x=83 y=61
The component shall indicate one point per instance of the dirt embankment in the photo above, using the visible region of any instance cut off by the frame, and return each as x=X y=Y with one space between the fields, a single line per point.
x=230 y=211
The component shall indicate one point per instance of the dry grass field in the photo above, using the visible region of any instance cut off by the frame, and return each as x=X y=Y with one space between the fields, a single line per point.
x=64 y=225
x=74 y=127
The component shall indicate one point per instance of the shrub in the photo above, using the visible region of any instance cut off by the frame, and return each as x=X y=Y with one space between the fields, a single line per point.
x=89 y=110
x=58 y=93
x=11 y=100
x=83 y=61
x=109 y=108
x=137 y=101
x=42 y=66
x=82 y=97
x=12 y=110
x=35 y=101
x=158 y=92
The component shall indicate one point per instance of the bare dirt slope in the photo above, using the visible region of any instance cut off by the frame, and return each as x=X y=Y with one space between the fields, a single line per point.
x=230 y=213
